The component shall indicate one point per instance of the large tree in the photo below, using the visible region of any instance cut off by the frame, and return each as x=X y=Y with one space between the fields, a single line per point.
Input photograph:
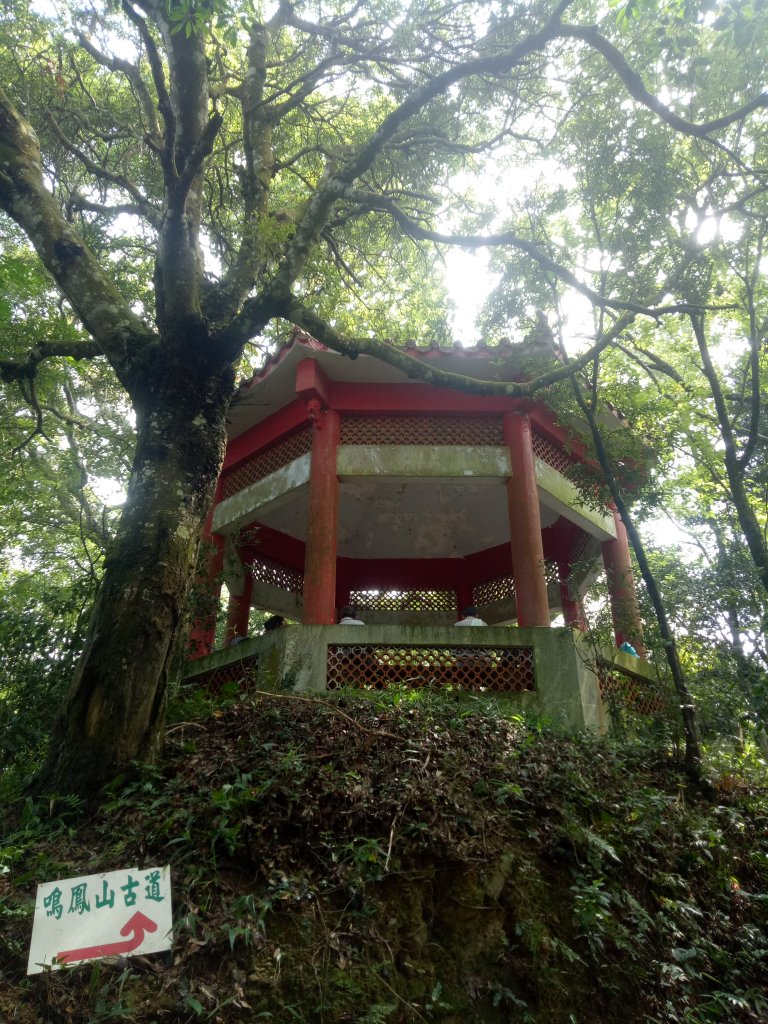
x=297 y=165
x=651 y=214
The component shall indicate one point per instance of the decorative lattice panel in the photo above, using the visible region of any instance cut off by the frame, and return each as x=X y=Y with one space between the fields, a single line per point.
x=577 y=472
x=267 y=461
x=243 y=672
x=551 y=572
x=374 y=666
x=502 y=588
x=421 y=430
x=404 y=600
x=626 y=692
x=579 y=546
x=279 y=576
x=547 y=452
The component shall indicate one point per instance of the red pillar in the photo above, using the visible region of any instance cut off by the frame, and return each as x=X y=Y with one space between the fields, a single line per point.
x=525 y=525
x=206 y=592
x=573 y=612
x=239 y=611
x=322 y=518
x=625 y=611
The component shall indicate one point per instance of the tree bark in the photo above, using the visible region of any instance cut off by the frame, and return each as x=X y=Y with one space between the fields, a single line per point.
x=736 y=465
x=114 y=711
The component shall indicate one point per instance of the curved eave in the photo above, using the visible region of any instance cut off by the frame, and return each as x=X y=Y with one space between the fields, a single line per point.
x=273 y=386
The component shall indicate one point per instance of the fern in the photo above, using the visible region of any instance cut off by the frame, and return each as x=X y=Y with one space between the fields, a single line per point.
x=379 y=1013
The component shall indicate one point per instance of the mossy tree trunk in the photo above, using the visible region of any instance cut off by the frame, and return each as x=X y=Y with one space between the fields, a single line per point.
x=114 y=711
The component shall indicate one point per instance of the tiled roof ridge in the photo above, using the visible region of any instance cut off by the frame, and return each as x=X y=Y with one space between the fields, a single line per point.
x=482 y=348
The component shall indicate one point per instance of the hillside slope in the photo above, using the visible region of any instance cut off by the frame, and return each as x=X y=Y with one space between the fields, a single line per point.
x=406 y=858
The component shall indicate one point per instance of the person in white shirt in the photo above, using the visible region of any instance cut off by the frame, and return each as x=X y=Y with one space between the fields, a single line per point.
x=470 y=618
x=349 y=616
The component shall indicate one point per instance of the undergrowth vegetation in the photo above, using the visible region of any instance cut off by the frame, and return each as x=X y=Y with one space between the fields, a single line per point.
x=407 y=858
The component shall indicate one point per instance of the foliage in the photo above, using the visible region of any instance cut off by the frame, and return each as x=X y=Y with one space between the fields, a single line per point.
x=412 y=857
x=42 y=625
x=653 y=215
x=196 y=176
x=67 y=435
x=65 y=431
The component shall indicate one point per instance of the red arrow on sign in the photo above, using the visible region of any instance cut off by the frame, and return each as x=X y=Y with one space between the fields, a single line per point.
x=137 y=925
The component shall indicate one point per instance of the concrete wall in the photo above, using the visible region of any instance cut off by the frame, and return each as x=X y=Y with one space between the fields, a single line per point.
x=557 y=492
x=295 y=658
x=269 y=493
x=357 y=462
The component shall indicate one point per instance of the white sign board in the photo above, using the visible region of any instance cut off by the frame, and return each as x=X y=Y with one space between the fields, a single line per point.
x=120 y=913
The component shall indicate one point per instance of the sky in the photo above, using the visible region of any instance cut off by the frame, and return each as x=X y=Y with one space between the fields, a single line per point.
x=469 y=282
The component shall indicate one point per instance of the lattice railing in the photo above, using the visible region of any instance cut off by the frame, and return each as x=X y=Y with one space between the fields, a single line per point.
x=404 y=600
x=244 y=672
x=422 y=430
x=377 y=666
x=579 y=546
x=267 y=461
x=556 y=457
x=579 y=473
x=627 y=692
x=501 y=588
x=265 y=571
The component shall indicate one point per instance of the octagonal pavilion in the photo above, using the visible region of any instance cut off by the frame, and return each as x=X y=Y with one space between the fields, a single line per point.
x=347 y=482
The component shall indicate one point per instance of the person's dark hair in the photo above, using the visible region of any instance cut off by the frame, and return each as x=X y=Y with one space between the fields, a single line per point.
x=469 y=610
x=273 y=622
x=349 y=611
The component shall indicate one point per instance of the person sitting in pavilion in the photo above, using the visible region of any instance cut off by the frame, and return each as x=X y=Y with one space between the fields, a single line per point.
x=470 y=618
x=349 y=616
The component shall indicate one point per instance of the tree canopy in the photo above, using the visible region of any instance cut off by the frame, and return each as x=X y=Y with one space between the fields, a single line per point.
x=183 y=179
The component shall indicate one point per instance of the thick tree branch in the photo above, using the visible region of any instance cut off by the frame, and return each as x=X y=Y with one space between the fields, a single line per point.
x=116 y=329
x=189 y=137
x=255 y=180
x=414 y=229
x=133 y=74
x=300 y=90
x=165 y=149
x=248 y=324
x=723 y=419
x=420 y=370
x=151 y=215
x=755 y=396
x=118 y=180
x=328 y=31
x=590 y=35
x=257 y=134
x=188 y=73
x=756 y=542
x=336 y=183
x=25 y=369
x=194 y=163
x=422 y=139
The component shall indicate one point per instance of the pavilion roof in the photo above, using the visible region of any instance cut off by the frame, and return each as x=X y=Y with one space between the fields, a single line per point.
x=271 y=387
